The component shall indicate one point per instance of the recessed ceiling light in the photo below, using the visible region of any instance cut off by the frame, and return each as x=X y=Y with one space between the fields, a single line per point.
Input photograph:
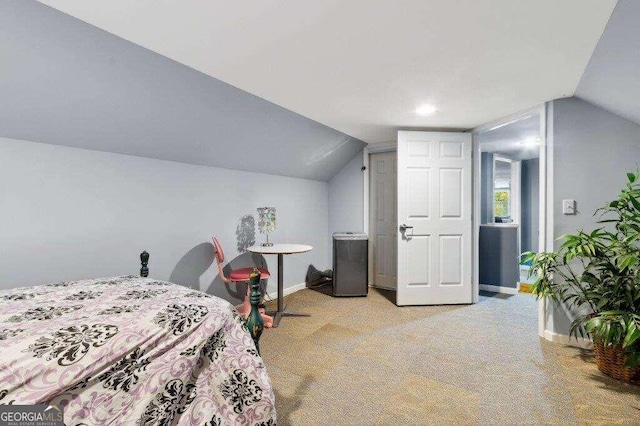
x=426 y=109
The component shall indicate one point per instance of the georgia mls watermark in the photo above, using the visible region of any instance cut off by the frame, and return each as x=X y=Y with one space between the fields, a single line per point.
x=31 y=415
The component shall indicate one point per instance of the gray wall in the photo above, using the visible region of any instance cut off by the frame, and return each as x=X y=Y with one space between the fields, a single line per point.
x=530 y=204
x=498 y=252
x=346 y=199
x=611 y=78
x=65 y=82
x=592 y=151
x=69 y=213
x=486 y=187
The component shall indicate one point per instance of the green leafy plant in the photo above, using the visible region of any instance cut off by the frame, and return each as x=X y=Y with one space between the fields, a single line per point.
x=599 y=273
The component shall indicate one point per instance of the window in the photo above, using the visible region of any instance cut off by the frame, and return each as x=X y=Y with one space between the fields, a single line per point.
x=501 y=203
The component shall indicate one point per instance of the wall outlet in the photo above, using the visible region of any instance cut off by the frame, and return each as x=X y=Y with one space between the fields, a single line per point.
x=568 y=206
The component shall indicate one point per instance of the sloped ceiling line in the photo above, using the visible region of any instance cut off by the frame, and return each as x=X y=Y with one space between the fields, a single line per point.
x=610 y=81
x=66 y=82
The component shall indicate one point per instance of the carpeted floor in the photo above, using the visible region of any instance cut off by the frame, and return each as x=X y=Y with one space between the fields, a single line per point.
x=364 y=361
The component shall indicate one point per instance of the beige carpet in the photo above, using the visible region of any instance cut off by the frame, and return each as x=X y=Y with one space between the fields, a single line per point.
x=364 y=361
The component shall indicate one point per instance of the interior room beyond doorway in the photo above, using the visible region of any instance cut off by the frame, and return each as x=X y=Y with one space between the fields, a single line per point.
x=509 y=203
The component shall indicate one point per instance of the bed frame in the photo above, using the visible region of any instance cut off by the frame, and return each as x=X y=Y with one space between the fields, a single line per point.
x=254 y=321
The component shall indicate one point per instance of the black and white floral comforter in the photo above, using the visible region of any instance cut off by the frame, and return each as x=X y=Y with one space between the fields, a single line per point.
x=133 y=351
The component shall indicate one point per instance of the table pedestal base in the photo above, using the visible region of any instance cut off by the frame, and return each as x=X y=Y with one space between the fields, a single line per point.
x=281 y=250
x=278 y=315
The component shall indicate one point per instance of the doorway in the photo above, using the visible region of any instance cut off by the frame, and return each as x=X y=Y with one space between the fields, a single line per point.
x=452 y=148
x=433 y=201
x=510 y=188
x=383 y=222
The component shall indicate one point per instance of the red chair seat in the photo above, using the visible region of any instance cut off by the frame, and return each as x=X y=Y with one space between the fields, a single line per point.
x=242 y=274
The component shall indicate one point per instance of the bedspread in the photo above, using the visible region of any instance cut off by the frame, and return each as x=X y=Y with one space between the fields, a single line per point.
x=134 y=351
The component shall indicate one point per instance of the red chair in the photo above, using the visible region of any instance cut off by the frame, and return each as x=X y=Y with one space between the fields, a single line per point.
x=241 y=276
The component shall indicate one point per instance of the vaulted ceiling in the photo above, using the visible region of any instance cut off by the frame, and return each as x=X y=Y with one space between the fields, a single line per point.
x=65 y=82
x=294 y=87
x=363 y=66
x=611 y=78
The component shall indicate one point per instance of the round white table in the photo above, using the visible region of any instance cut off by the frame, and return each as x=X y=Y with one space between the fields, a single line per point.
x=281 y=250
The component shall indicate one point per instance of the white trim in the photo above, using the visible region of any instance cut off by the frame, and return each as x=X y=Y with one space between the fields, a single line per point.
x=382 y=287
x=504 y=121
x=375 y=148
x=563 y=339
x=498 y=289
x=516 y=171
x=516 y=175
x=365 y=177
x=286 y=291
x=476 y=216
x=546 y=235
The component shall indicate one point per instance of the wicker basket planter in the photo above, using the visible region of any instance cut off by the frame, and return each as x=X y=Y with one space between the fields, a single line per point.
x=610 y=360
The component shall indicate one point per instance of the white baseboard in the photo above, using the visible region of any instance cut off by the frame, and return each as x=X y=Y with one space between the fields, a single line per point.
x=382 y=287
x=563 y=339
x=286 y=291
x=498 y=289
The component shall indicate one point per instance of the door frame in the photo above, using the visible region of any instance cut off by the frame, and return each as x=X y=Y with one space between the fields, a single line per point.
x=390 y=146
x=545 y=226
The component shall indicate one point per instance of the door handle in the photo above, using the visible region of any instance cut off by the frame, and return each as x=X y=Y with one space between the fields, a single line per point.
x=404 y=227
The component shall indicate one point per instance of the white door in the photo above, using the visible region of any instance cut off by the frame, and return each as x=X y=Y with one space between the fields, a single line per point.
x=434 y=202
x=383 y=220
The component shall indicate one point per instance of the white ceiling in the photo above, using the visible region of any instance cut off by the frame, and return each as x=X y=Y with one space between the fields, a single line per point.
x=510 y=140
x=65 y=82
x=363 y=66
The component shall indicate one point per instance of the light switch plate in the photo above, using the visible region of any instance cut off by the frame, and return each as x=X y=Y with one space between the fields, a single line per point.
x=568 y=206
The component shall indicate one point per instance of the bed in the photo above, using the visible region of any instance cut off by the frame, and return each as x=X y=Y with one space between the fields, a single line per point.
x=131 y=350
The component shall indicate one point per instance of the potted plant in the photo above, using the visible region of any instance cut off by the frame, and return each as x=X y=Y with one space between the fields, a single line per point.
x=597 y=274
